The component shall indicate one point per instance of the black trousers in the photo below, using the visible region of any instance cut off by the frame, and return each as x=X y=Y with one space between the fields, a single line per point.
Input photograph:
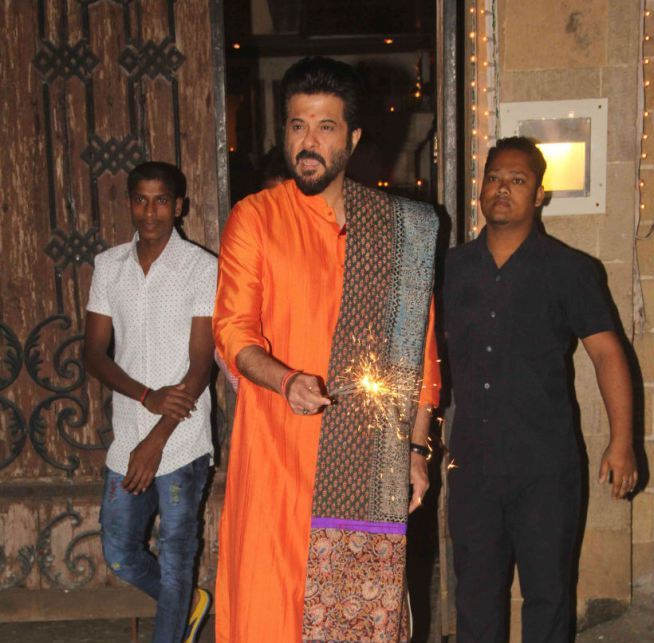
x=531 y=520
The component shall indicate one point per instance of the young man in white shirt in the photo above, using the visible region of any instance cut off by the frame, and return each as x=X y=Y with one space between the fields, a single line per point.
x=155 y=295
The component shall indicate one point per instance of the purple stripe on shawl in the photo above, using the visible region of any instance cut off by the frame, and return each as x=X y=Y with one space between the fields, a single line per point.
x=358 y=525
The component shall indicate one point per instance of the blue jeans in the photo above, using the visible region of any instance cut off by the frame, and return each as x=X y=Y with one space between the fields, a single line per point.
x=126 y=519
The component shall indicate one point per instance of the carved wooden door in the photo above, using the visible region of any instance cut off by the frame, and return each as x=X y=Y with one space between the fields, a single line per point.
x=89 y=89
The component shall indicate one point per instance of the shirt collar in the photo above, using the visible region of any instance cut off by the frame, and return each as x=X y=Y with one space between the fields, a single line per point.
x=169 y=257
x=315 y=204
x=524 y=248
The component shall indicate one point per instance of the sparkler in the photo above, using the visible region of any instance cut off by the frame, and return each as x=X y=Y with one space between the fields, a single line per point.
x=387 y=391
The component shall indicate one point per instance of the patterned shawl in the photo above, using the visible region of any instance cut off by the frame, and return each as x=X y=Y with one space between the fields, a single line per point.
x=355 y=587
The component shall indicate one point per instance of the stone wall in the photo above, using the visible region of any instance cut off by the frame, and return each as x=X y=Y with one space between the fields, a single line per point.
x=643 y=509
x=573 y=49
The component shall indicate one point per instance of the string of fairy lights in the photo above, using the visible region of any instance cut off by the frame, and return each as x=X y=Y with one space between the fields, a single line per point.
x=645 y=102
x=482 y=100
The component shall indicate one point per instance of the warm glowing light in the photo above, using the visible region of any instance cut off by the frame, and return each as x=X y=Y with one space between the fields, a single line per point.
x=419 y=182
x=391 y=109
x=566 y=166
x=452 y=465
x=472 y=34
x=236 y=45
x=388 y=41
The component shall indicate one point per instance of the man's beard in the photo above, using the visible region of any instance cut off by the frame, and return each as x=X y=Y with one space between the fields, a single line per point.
x=312 y=185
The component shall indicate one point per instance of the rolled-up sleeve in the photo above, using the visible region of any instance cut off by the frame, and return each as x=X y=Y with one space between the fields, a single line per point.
x=431 y=371
x=237 y=311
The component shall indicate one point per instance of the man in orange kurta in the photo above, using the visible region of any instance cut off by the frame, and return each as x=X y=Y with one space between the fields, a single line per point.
x=278 y=303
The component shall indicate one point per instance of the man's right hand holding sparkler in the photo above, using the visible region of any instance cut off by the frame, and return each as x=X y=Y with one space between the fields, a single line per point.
x=303 y=392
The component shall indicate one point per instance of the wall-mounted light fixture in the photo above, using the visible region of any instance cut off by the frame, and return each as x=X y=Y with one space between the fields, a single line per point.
x=572 y=137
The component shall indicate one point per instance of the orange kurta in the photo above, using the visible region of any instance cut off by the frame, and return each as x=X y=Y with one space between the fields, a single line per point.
x=281 y=276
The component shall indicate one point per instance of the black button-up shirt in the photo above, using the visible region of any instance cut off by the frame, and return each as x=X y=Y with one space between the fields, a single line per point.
x=509 y=335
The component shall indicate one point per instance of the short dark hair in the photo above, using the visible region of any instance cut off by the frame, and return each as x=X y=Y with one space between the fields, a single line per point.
x=535 y=157
x=320 y=75
x=170 y=175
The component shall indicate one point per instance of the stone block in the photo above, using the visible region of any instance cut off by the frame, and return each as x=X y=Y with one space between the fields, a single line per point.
x=616 y=227
x=580 y=232
x=643 y=563
x=605 y=513
x=644 y=414
x=624 y=31
x=576 y=34
x=647 y=188
x=546 y=84
x=620 y=281
x=605 y=566
x=619 y=85
x=645 y=250
x=516 y=620
x=643 y=518
x=644 y=347
x=647 y=290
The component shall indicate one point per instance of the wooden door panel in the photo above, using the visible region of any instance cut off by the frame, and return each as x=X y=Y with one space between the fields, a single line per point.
x=90 y=89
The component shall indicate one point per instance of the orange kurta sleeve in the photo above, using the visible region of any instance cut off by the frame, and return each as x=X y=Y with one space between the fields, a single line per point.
x=237 y=312
x=431 y=371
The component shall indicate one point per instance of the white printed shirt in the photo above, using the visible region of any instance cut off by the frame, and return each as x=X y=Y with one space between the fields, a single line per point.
x=151 y=317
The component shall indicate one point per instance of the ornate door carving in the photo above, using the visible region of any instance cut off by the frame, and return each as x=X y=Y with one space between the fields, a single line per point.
x=90 y=88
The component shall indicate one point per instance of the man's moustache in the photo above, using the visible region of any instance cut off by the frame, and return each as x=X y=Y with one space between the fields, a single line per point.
x=304 y=154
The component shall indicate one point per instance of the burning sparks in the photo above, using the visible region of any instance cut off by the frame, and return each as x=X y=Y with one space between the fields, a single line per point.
x=388 y=392
x=452 y=465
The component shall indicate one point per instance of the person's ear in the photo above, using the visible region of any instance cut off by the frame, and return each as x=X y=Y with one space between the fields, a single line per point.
x=355 y=137
x=540 y=196
x=179 y=206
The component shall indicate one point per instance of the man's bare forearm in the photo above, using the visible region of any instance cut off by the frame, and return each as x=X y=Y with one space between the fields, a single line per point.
x=261 y=368
x=614 y=381
x=103 y=368
x=420 y=430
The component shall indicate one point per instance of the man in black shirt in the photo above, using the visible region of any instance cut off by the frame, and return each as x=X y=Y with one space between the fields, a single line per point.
x=514 y=300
